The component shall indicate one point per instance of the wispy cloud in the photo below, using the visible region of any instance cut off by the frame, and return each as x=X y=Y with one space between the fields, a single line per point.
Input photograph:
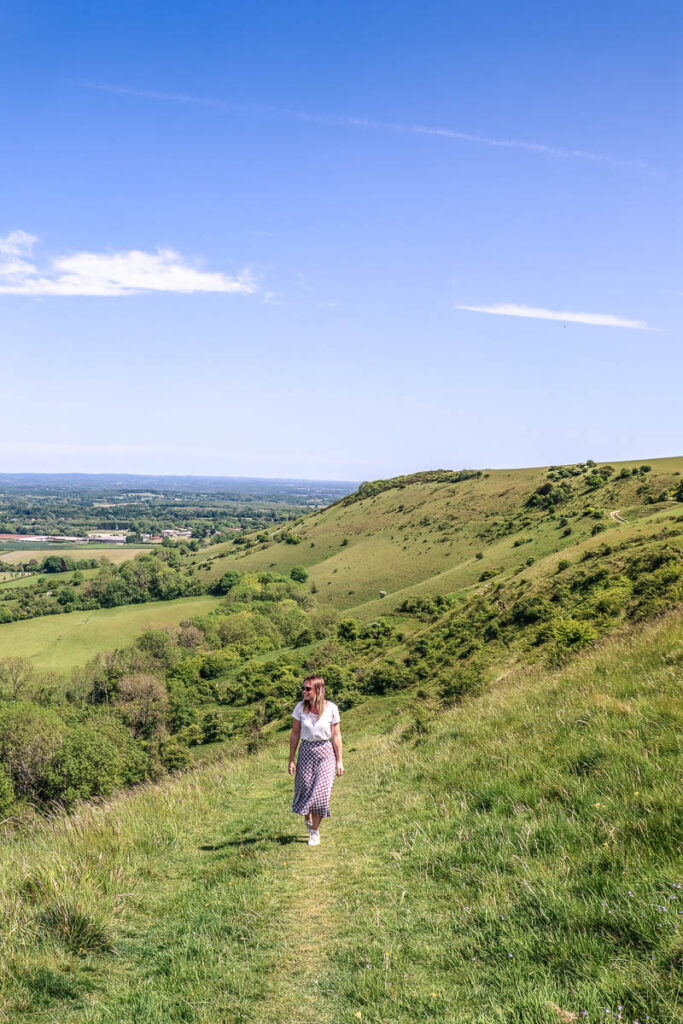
x=532 y=312
x=106 y=274
x=541 y=149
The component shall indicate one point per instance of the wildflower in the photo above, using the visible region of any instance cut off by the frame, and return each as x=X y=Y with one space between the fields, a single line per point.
x=502 y=917
x=598 y=805
x=358 y=1014
x=630 y=893
x=637 y=793
x=510 y=956
x=584 y=1013
x=433 y=995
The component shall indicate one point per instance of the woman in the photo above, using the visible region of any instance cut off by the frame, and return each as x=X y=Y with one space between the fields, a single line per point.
x=316 y=724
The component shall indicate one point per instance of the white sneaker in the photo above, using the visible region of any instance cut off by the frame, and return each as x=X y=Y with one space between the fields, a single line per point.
x=314 y=838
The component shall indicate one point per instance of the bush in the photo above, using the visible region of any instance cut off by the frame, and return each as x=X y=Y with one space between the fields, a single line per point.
x=298 y=574
x=29 y=738
x=213 y=727
x=85 y=765
x=569 y=635
x=348 y=630
x=174 y=756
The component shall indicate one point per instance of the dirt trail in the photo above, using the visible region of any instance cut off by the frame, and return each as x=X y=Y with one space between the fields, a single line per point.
x=617 y=516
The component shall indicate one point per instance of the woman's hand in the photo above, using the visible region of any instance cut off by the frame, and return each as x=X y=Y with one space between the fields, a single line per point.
x=292 y=768
x=340 y=768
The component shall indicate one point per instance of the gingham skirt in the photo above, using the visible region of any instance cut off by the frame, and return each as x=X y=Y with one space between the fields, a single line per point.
x=316 y=768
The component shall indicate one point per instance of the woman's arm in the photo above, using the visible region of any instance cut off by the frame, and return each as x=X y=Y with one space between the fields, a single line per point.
x=337 y=744
x=293 y=743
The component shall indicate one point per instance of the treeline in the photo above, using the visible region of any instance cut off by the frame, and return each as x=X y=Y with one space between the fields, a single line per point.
x=157 y=576
x=370 y=488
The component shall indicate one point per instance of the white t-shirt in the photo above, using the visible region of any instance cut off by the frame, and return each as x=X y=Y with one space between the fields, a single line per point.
x=313 y=727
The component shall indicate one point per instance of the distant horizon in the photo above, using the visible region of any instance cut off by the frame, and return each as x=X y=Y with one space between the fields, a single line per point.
x=316 y=480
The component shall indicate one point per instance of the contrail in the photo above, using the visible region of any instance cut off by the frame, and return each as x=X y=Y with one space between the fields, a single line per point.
x=369 y=124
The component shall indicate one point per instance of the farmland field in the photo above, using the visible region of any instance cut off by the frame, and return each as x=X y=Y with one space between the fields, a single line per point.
x=115 y=554
x=63 y=641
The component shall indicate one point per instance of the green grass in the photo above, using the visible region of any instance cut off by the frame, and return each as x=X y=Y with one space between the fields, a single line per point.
x=56 y=579
x=507 y=860
x=114 y=553
x=61 y=642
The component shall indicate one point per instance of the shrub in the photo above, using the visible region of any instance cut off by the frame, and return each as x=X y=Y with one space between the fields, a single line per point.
x=174 y=756
x=213 y=727
x=29 y=738
x=86 y=764
x=298 y=574
x=191 y=735
x=348 y=630
x=569 y=635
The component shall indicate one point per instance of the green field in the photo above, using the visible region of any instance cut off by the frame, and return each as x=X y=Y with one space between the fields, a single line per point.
x=57 y=579
x=513 y=860
x=60 y=642
x=116 y=553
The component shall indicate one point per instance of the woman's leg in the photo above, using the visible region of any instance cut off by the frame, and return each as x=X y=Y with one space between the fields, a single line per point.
x=315 y=820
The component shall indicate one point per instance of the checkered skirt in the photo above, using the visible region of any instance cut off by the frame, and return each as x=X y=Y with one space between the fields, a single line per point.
x=316 y=768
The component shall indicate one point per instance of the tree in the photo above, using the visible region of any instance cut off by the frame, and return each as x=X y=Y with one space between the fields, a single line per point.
x=143 y=703
x=16 y=676
x=29 y=738
x=298 y=574
x=227 y=581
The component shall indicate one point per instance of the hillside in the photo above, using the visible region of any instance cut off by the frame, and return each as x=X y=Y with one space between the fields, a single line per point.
x=422 y=535
x=513 y=858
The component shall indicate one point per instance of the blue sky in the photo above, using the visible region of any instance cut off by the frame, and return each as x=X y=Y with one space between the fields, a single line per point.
x=340 y=241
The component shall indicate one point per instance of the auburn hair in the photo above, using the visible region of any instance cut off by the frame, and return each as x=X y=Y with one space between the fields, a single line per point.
x=317 y=703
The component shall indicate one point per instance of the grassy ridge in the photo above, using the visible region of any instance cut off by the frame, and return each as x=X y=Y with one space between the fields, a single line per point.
x=516 y=858
x=424 y=536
